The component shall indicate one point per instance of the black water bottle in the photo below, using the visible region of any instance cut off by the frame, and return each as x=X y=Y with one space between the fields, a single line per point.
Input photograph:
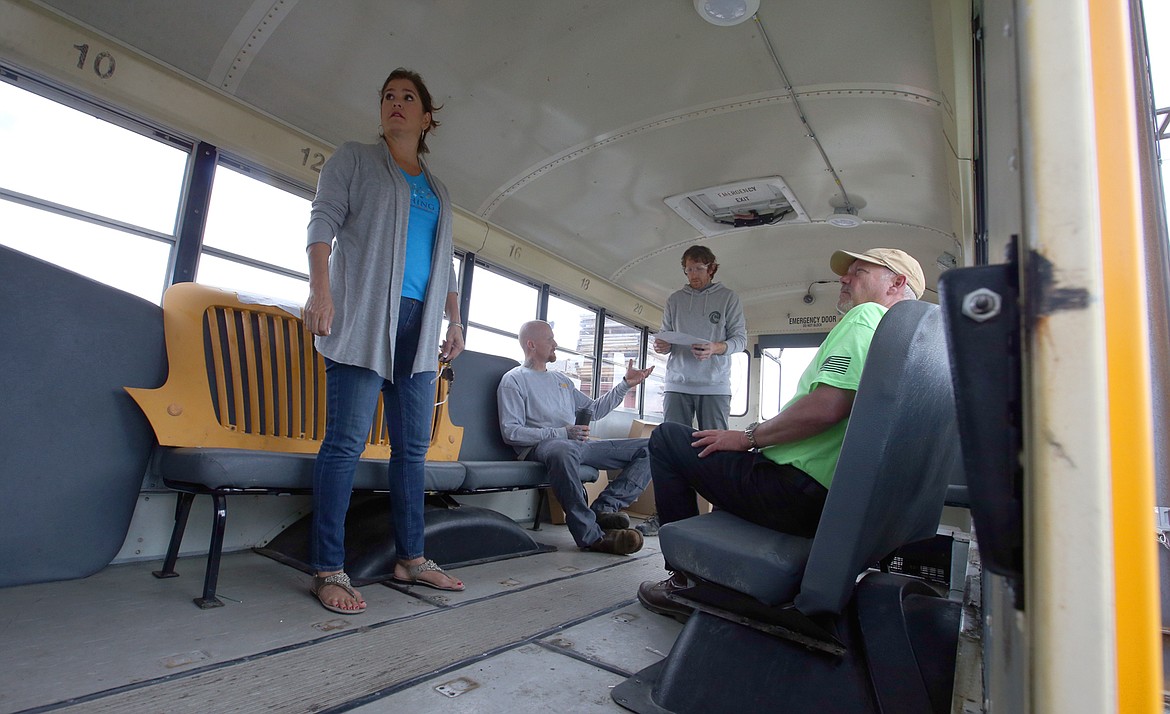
x=584 y=415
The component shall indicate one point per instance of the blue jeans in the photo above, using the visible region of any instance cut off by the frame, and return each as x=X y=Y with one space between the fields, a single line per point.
x=351 y=396
x=563 y=457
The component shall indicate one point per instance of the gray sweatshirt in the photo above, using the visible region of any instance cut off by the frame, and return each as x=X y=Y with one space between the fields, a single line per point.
x=536 y=405
x=716 y=315
x=364 y=202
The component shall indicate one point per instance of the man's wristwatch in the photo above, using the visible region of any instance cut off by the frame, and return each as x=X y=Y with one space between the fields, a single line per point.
x=750 y=433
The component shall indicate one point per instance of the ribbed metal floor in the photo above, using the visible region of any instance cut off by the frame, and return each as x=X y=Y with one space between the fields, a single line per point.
x=360 y=665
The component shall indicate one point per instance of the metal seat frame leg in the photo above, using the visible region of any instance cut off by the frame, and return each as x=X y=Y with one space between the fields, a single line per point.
x=211 y=578
x=182 y=511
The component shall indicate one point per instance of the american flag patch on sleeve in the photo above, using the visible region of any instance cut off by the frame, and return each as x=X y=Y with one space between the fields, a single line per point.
x=838 y=364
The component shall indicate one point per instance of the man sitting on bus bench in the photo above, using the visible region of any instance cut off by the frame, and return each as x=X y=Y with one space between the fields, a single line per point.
x=777 y=474
x=538 y=407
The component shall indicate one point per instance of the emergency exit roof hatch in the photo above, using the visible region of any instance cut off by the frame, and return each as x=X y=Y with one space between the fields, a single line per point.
x=737 y=206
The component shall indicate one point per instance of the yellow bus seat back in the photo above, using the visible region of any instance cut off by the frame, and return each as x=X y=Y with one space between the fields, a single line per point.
x=243 y=373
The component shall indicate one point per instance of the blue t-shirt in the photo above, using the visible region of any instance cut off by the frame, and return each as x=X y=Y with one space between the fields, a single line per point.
x=420 y=236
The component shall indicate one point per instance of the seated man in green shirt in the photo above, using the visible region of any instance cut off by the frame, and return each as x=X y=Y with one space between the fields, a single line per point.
x=777 y=474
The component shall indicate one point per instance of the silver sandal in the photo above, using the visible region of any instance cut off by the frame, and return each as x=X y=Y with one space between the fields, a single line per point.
x=416 y=570
x=341 y=580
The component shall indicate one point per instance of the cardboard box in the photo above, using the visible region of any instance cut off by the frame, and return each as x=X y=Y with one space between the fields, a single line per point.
x=644 y=505
x=556 y=514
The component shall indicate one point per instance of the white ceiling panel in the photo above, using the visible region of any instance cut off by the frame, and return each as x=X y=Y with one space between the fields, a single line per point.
x=567 y=122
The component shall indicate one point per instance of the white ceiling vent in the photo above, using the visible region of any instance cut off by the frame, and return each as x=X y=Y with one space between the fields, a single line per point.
x=737 y=206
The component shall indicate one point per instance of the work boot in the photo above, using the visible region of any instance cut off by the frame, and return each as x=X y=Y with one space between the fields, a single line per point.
x=653 y=597
x=613 y=520
x=649 y=527
x=619 y=541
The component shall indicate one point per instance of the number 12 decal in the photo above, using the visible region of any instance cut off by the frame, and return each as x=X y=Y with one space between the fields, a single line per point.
x=317 y=156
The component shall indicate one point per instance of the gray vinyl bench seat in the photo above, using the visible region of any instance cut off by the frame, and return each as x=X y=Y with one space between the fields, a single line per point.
x=721 y=548
x=217 y=469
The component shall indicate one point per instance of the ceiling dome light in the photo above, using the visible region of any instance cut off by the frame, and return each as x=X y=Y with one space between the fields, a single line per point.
x=844 y=218
x=725 y=13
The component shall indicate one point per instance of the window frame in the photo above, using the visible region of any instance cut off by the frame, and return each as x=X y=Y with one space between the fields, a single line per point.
x=782 y=342
x=599 y=327
x=747 y=386
x=24 y=81
x=186 y=243
x=643 y=345
x=471 y=264
x=266 y=177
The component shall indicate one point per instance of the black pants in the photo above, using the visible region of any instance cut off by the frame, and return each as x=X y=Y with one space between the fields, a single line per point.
x=745 y=484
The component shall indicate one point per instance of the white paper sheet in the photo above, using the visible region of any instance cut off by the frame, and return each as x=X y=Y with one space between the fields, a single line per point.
x=288 y=306
x=678 y=338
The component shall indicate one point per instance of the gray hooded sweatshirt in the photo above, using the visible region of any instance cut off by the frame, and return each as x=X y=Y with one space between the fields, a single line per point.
x=716 y=315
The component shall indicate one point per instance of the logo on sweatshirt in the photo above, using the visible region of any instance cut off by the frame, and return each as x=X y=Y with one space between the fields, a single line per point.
x=715 y=317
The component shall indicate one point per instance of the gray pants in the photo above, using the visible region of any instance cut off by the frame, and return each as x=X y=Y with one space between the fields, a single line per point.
x=562 y=457
x=712 y=409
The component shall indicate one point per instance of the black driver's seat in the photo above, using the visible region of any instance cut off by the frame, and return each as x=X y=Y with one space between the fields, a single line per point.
x=900 y=452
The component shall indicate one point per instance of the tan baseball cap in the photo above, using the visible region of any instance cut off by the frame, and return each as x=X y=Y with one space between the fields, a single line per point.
x=901 y=262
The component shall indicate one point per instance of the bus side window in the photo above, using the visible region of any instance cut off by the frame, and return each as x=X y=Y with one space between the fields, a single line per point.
x=780 y=370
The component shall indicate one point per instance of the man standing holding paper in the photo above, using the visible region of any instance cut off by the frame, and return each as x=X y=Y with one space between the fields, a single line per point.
x=703 y=325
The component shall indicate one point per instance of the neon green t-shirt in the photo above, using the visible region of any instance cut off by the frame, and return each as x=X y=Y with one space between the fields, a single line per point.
x=838 y=363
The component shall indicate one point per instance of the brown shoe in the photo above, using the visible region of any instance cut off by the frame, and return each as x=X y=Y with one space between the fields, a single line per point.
x=619 y=541
x=613 y=520
x=653 y=597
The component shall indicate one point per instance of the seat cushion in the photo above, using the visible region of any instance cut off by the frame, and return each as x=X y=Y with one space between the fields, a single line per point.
x=74 y=445
x=957 y=496
x=187 y=468
x=484 y=475
x=729 y=551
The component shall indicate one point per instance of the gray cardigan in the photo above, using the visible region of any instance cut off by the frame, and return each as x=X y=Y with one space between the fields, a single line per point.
x=363 y=202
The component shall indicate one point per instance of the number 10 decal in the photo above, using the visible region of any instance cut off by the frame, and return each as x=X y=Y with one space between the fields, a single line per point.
x=103 y=64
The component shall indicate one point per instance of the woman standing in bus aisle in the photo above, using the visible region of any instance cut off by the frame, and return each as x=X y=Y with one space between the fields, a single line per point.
x=380 y=280
x=698 y=377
